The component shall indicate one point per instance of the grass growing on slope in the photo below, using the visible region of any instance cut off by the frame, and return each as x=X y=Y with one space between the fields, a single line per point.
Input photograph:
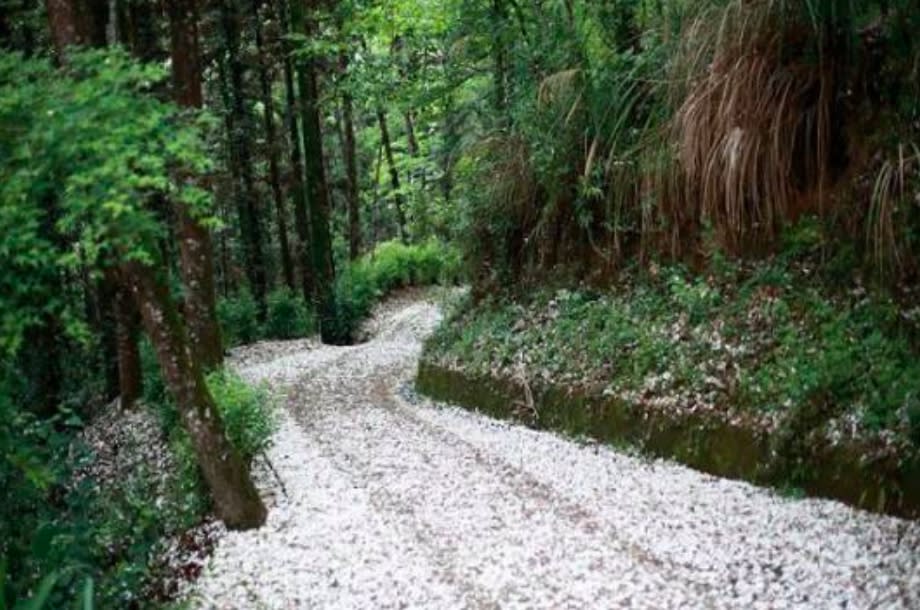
x=764 y=343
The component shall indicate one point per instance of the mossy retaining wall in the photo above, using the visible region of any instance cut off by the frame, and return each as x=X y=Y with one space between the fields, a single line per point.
x=840 y=472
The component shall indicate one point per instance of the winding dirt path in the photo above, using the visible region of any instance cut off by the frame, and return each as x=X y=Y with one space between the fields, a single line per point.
x=393 y=502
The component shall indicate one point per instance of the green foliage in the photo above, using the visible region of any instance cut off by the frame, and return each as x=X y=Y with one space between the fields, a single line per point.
x=238 y=317
x=766 y=339
x=57 y=531
x=60 y=533
x=391 y=266
x=246 y=412
x=288 y=316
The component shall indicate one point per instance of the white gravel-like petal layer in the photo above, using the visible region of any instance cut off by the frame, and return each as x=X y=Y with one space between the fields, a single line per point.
x=399 y=503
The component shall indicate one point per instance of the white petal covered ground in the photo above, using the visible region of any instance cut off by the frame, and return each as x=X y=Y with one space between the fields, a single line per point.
x=396 y=503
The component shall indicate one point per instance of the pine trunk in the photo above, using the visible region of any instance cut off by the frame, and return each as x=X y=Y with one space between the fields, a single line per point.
x=127 y=328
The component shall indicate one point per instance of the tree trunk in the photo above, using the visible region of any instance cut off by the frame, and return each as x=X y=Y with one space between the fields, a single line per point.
x=349 y=153
x=317 y=189
x=100 y=304
x=127 y=327
x=274 y=164
x=410 y=134
x=499 y=57
x=76 y=22
x=298 y=191
x=394 y=174
x=236 y=500
x=375 y=205
x=450 y=143
x=196 y=257
x=415 y=151
x=241 y=156
x=137 y=27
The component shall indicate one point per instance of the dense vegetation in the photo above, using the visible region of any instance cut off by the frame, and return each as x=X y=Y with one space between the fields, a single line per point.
x=625 y=183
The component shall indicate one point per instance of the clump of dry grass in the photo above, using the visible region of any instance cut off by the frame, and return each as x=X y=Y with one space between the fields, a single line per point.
x=891 y=192
x=754 y=126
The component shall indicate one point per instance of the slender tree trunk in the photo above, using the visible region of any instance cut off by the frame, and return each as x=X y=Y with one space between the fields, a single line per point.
x=196 y=257
x=127 y=327
x=274 y=164
x=100 y=296
x=137 y=27
x=236 y=500
x=410 y=134
x=317 y=188
x=375 y=209
x=298 y=191
x=350 y=154
x=451 y=138
x=394 y=174
x=415 y=151
x=241 y=156
x=499 y=56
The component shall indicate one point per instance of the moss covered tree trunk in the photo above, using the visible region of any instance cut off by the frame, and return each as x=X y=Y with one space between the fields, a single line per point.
x=236 y=500
x=196 y=256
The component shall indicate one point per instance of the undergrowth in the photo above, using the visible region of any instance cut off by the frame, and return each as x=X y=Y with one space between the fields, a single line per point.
x=763 y=342
x=68 y=540
x=390 y=266
x=361 y=285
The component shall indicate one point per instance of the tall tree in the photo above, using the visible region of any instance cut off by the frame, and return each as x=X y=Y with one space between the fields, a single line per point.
x=350 y=154
x=127 y=328
x=394 y=173
x=499 y=16
x=236 y=499
x=298 y=191
x=241 y=167
x=196 y=254
x=303 y=20
x=272 y=147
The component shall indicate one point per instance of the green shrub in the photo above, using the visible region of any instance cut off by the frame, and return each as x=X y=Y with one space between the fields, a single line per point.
x=391 y=266
x=238 y=317
x=288 y=316
x=154 y=389
x=247 y=415
x=246 y=411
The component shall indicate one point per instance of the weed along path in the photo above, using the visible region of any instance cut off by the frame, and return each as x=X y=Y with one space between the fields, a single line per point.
x=382 y=500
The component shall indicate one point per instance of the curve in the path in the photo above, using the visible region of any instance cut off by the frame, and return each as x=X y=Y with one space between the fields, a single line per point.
x=394 y=502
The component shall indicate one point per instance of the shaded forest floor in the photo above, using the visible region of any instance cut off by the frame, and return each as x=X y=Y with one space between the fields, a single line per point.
x=385 y=500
